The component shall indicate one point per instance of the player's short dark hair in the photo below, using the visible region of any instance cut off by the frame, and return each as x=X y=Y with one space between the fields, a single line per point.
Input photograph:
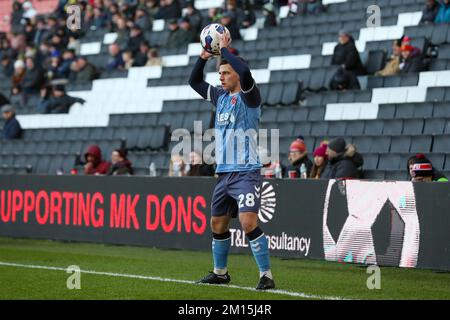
x=225 y=61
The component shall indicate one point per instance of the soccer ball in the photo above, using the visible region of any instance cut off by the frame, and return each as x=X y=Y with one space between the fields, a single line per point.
x=209 y=37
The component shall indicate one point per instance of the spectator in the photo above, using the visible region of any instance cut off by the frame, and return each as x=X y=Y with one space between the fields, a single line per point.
x=28 y=11
x=120 y=164
x=68 y=58
x=152 y=9
x=311 y=6
x=135 y=39
x=392 y=68
x=320 y=161
x=122 y=32
x=16 y=17
x=99 y=19
x=344 y=80
x=188 y=33
x=430 y=11
x=74 y=44
x=180 y=34
x=115 y=61
x=346 y=55
x=127 y=57
x=410 y=63
x=420 y=158
x=141 y=57
x=153 y=58
x=29 y=31
x=11 y=128
x=298 y=155
x=422 y=171
x=59 y=101
x=197 y=167
x=270 y=19
x=142 y=20
x=343 y=161
x=7 y=66
x=177 y=166
x=41 y=32
x=44 y=100
x=213 y=16
x=195 y=17
x=19 y=72
x=33 y=79
x=169 y=9
x=293 y=7
x=227 y=19
x=95 y=165
x=17 y=98
x=407 y=41
x=443 y=15
x=55 y=67
x=82 y=70
x=248 y=16
x=52 y=27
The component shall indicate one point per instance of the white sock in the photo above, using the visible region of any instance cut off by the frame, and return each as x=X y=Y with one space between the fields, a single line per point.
x=267 y=273
x=220 y=272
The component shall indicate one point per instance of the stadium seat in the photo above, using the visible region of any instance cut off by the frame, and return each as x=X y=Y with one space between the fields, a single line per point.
x=421 y=144
x=400 y=144
x=434 y=126
x=390 y=162
x=375 y=61
x=441 y=144
x=413 y=127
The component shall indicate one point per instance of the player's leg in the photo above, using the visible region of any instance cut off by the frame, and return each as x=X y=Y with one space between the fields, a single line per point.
x=246 y=189
x=260 y=248
x=222 y=207
x=221 y=242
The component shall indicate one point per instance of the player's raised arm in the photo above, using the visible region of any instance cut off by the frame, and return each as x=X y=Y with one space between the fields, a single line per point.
x=251 y=94
x=196 y=80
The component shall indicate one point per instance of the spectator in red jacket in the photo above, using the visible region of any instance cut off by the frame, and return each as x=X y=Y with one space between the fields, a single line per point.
x=95 y=165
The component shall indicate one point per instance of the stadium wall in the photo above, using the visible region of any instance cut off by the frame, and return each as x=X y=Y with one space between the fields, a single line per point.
x=386 y=223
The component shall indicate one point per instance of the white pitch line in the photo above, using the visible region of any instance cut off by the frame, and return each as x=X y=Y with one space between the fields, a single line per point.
x=136 y=276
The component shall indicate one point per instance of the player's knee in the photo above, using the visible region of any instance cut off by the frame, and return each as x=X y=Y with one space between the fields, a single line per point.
x=249 y=224
x=218 y=225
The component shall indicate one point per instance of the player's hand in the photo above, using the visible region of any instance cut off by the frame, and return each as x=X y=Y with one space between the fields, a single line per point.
x=205 y=55
x=225 y=40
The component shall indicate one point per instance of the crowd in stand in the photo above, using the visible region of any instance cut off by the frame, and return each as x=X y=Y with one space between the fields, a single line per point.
x=41 y=55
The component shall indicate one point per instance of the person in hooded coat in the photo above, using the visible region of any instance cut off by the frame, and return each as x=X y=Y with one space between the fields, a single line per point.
x=95 y=165
x=343 y=161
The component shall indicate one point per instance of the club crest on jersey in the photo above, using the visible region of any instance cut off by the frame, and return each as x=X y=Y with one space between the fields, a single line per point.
x=233 y=100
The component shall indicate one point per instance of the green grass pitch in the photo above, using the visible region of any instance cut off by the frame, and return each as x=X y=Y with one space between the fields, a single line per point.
x=295 y=279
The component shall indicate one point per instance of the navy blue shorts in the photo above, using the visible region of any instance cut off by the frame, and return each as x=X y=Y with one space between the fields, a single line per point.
x=237 y=192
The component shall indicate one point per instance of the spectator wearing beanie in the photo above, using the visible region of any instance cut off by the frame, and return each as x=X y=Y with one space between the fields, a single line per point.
x=410 y=63
x=120 y=164
x=423 y=171
x=298 y=155
x=420 y=158
x=343 y=161
x=320 y=161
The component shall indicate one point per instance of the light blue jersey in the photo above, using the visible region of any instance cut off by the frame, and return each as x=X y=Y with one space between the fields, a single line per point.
x=236 y=126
